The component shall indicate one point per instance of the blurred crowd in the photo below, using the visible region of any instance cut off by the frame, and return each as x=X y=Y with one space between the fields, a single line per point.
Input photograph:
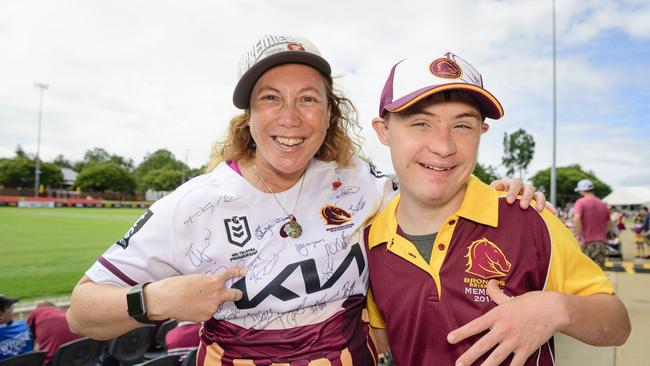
x=618 y=220
x=46 y=329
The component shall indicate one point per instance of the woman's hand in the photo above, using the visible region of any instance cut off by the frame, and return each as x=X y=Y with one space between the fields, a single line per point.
x=527 y=191
x=191 y=297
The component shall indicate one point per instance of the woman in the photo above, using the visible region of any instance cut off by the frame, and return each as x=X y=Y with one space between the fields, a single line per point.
x=266 y=248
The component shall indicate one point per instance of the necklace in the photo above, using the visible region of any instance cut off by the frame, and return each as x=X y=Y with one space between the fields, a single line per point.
x=291 y=228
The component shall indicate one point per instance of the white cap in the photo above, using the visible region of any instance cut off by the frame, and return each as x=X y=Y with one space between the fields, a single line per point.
x=412 y=79
x=584 y=185
x=270 y=51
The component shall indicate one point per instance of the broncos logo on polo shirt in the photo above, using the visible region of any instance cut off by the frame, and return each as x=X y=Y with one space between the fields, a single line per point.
x=485 y=259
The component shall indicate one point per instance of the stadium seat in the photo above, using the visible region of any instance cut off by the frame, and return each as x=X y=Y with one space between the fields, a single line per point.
x=190 y=360
x=25 y=359
x=130 y=348
x=159 y=338
x=80 y=352
x=167 y=360
x=162 y=332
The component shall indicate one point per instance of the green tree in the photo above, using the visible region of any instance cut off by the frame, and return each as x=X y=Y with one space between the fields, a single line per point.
x=20 y=153
x=107 y=176
x=518 y=149
x=19 y=173
x=567 y=179
x=98 y=155
x=486 y=174
x=195 y=172
x=163 y=179
x=62 y=162
x=161 y=160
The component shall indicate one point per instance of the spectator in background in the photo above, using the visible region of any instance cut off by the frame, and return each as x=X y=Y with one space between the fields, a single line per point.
x=15 y=337
x=638 y=236
x=645 y=226
x=183 y=339
x=591 y=222
x=49 y=328
x=620 y=221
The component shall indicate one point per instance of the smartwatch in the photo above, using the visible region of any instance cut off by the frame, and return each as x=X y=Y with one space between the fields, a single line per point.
x=136 y=304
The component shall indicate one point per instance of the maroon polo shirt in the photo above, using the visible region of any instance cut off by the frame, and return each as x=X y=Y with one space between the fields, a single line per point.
x=419 y=303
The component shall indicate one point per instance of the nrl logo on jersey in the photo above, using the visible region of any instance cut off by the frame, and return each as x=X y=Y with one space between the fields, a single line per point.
x=238 y=231
x=124 y=242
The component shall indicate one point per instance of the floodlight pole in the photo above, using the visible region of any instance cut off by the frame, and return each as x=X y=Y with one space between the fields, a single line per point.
x=553 y=166
x=37 y=170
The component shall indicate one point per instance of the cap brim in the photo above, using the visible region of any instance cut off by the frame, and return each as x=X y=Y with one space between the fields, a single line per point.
x=489 y=105
x=11 y=300
x=241 y=95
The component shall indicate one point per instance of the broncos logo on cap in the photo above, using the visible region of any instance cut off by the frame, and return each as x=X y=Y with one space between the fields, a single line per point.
x=486 y=260
x=445 y=68
x=335 y=215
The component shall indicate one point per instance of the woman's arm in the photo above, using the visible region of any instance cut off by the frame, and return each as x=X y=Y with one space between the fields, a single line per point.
x=100 y=311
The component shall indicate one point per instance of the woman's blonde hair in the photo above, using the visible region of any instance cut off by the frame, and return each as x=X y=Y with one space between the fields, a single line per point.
x=342 y=140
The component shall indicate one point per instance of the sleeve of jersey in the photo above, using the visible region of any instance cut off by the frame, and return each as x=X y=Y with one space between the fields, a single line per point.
x=374 y=317
x=389 y=192
x=145 y=254
x=571 y=272
x=384 y=186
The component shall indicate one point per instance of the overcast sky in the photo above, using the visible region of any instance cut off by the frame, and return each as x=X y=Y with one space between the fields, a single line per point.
x=135 y=76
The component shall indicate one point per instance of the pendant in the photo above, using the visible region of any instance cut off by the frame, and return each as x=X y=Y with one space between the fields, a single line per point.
x=293 y=228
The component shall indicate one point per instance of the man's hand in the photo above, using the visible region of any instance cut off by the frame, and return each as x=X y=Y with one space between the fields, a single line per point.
x=527 y=191
x=518 y=325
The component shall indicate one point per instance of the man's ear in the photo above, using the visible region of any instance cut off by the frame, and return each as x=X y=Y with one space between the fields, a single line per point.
x=380 y=126
x=484 y=127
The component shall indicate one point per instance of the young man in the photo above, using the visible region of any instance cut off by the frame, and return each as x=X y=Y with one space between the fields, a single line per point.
x=591 y=222
x=439 y=253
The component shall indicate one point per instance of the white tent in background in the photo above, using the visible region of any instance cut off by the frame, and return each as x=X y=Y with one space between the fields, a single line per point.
x=629 y=196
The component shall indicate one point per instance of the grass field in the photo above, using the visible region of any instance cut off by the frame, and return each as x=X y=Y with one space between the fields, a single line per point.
x=44 y=251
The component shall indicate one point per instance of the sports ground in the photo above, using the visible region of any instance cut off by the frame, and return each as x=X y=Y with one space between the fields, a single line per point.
x=44 y=252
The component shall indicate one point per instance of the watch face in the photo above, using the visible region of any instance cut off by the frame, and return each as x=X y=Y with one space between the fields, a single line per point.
x=134 y=303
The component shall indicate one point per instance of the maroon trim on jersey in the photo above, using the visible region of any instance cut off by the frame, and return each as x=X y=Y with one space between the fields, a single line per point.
x=114 y=270
x=418 y=321
x=295 y=345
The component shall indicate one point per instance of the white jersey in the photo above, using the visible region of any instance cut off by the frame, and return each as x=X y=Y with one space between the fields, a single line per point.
x=219 y=220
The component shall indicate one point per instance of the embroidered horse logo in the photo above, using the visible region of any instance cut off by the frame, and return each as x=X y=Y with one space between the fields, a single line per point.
x=486 y=260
